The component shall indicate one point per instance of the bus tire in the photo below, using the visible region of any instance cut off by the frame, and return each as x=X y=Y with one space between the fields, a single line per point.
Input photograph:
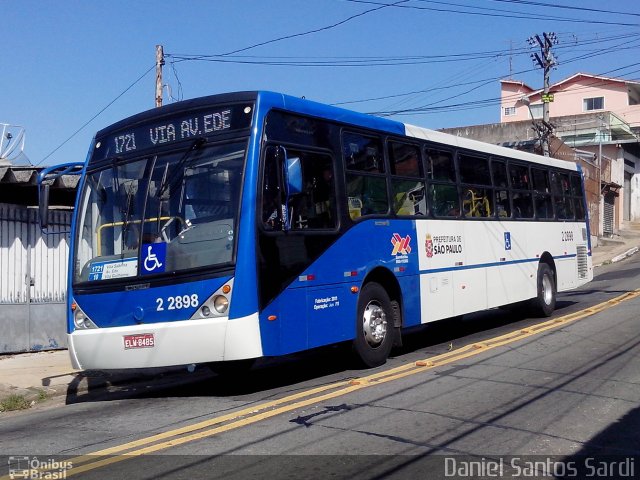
x=374 y=326
x=544 y=303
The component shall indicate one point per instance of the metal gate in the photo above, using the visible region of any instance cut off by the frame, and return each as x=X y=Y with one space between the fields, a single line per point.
x=33 y=279
x=608 y=214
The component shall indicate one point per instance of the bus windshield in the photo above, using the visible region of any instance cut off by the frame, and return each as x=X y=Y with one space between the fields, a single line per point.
x=160 y=213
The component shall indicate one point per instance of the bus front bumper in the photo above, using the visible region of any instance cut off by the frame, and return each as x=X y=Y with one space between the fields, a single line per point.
x=166 y=344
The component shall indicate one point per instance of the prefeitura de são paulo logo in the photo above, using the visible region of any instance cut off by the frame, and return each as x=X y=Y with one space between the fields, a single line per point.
x=428 y=245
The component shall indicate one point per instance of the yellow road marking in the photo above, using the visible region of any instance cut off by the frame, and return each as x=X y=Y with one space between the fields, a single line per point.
x=315 y=395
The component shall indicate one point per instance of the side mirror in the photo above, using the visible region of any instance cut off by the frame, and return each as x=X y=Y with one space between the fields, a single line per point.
x=49 y=174
x=43 y=205
x=294 y=175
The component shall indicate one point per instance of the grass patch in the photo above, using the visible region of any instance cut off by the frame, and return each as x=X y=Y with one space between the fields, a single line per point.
x=14 y=402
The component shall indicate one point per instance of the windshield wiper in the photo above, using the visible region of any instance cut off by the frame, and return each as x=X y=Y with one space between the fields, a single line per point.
x=125 y=210
x=125 y=220
x=176 y=174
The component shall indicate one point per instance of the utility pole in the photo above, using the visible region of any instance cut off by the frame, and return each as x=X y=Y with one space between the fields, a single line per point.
x=544 y=60
x=159 y=64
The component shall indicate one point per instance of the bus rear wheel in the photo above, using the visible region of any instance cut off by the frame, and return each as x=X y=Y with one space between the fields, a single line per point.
x=544 y=303
x=374 y=326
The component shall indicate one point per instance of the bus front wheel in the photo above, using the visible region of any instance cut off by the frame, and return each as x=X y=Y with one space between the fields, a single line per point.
x=374 y=326
x=544 y=303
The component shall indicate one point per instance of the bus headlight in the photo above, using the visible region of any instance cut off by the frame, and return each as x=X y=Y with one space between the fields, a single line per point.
x=217 y=305
x=220 y=303
x=81 y=321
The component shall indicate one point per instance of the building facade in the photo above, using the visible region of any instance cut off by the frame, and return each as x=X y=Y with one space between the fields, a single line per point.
x=33 y=265
x=599 y=117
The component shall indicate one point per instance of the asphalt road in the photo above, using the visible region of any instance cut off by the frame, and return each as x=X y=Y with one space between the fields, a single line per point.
x=567 y=398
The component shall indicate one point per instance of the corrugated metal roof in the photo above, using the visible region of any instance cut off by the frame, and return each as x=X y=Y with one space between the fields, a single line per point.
x=27 y=176
x=19 y=186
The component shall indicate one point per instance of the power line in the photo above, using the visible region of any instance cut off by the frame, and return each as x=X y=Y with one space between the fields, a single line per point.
x=315 y=30
x=373 y=61
x=483 y=103
x=507 y=14
x=340 y=60
x=461 y=76
x=354 y=64
x=596 y=53
x=566 y=7
x=570 y=45
x=97 y=114
x=488 y=80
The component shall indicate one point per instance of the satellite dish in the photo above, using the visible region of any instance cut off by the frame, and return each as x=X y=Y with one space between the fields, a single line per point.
x=11 y=142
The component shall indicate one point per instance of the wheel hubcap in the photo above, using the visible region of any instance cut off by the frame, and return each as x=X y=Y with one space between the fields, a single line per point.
x=547 y=290
x=374 y=324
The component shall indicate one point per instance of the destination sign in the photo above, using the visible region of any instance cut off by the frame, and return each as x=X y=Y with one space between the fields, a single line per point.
x=184 y=126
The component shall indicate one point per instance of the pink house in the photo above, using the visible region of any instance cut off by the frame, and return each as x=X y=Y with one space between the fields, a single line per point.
x=579 y=94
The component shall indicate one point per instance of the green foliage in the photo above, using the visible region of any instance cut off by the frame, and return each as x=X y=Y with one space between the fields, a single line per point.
x=14 y=402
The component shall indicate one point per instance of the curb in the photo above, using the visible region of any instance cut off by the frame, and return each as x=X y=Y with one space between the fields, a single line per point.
x=624 y=255
x=618 y=258
x=99 y=382
x=110 y=381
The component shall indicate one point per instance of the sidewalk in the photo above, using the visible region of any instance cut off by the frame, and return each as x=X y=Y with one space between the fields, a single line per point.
x=611 y=250
x=40 y=374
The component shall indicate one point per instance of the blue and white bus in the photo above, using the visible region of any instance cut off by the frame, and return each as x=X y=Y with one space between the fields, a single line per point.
x=253 y=224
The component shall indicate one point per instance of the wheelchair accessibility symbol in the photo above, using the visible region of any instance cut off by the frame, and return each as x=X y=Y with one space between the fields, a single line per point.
x=153 y=257
x=507 y=240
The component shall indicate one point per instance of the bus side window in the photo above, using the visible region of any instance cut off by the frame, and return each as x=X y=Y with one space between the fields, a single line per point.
x=519 y=177
x=271 y=192
x=522 y=205
x=312 y=208
x=407 y=184
x=501 y=184
x=442 y=191
x=476 y=202
x=521 y=191
x=440 y=166
x=366 y=179
x=444 y=200
x=562 y=195
x=362 y=153
x=315 y=206
x=503 y=205
x=578 y=196
x=475 y=176
x=369 y=192
x=544 y=208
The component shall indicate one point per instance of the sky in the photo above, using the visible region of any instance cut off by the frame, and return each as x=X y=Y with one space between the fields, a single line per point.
x=70 y=68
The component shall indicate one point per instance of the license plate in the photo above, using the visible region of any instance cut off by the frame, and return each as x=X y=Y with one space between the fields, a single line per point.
x=141 y=340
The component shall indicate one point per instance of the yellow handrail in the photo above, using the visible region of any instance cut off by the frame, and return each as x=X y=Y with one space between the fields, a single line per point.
x=119 y=224
x=476 y=203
